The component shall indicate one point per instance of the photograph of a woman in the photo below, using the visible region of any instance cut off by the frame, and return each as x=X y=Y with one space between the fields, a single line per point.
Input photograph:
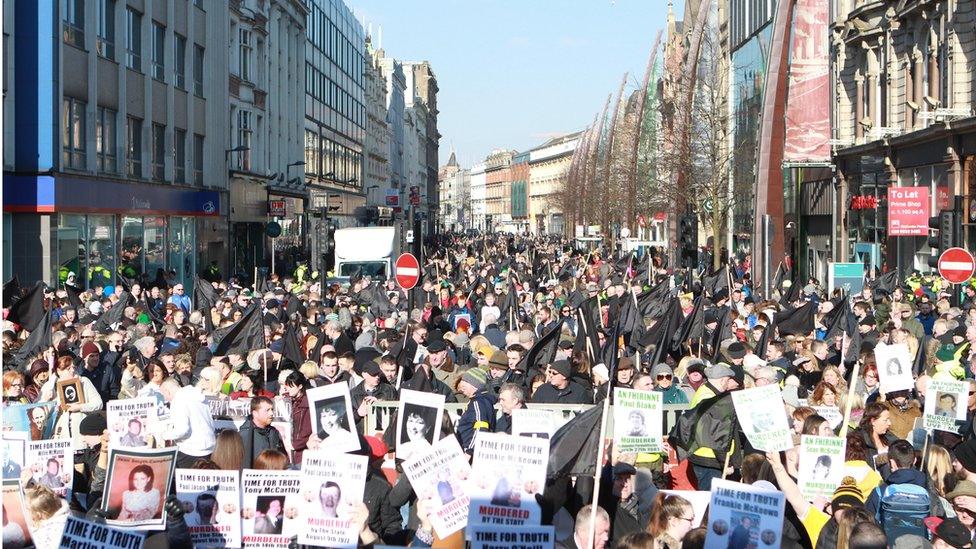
x=141 y=501
x=137 y=481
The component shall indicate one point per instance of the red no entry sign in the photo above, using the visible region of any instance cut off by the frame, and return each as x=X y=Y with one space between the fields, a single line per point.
x=956 y=265
x=407 y=271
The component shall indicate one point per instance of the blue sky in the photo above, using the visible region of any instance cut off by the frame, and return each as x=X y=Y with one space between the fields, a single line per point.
x=513 y=73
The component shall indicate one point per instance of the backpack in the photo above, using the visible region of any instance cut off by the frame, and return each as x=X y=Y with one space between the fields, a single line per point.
x=902 y=509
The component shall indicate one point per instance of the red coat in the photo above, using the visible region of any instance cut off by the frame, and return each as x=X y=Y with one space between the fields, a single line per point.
x=301 y=427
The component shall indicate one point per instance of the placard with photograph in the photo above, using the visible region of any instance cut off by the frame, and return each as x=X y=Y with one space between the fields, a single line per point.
x=272 y=508
x=332 y=419
x=419 y=417
x=333 y=483
x=87 y=534
x=638 y=420
x=442 y=475
x=16 y=528
x=70 y=391
x=507 y=472
x=894 y=367
x=136 y=483
x=821 y=465
x=945 y=404
x=762 y=416
x=14 y=453
x=37 y=419
x=212 y=506
x=130 y=421
x=51 y=463
x=741 y=515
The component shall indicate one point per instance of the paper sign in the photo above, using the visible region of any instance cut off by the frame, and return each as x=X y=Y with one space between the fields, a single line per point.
x=332 y=416
x=332 y=484
x=79 y=532
x=945 y=404
x=14 y=450
x=832 y=414
x=522 y=537
x=821 y=465
x=741 y=515
x=529 y=422
x=508 y=472
x=137 y=481
x=52 y=464
x=442 y=474
x=130 y=421
x=637 y=420
x=212 y=506
x=894 y=367
x=272 y=508
x=762 y=417
x=419 y=417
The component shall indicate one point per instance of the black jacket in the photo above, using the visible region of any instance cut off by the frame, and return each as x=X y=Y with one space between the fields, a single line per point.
x=383 y=391
x=625 y=517
x=257 y=440
x=572 y=394
x=495 y=336
x=106 y=378
x=384 y=519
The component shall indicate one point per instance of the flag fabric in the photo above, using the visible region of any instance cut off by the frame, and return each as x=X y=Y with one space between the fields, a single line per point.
x=11 y=291
x=28 y=310
x=719 y=280
x=205 y=297
x=691 y=328
x=38 y=340
x=74 y=295
x=243 y=336
x=654 y=302
x=886 y=282
x=573 y=447
x=661 y=333
x=291 y=349
x=763 y=343
x=796 y=320
x=791 y=294
x=722 y=332
x=114 y=315
x=544 y=350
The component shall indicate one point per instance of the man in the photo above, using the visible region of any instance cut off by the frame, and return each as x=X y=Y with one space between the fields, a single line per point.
x=949 y=533
x=544 y=322
x=510 y=397
x=105 y=377
x=499 y=372
x=742 y=534
x=191 y=425
x=180 y=299
x=269 y=521
x=330 y=371
x=705 y=432
x=390 y=370
x=427 y=376
x=617 y=497
x=492 y=332
x=901 y=460
x=133 y=437
x=480 y=413
x=145 y=351
x=581 y=531
x=559 y=389
x=337 y=336
x=370 y=390
x=257 y=433
x=52 y=477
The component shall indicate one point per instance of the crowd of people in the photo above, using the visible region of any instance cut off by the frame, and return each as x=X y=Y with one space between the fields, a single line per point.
x=500 y=322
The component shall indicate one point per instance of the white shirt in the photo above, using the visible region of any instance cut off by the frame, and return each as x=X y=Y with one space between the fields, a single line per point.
x=191 y=425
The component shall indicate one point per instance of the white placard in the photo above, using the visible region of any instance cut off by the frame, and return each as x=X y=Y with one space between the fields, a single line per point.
x=272 y=508
x=945 y=404
x=740 y=515
x=821 y=465
x=212 y=506
x=894 y=367
x=419 y=417
x=442 y=475
x=332 y=419
x=637 y=420
x=508 y=472
x=762 y=417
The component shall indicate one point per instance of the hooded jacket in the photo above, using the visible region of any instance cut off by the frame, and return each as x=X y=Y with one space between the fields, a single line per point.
x=258 y=439
x=902 y=476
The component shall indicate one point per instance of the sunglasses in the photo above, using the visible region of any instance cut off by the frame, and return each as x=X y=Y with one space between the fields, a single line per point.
x=664 y=376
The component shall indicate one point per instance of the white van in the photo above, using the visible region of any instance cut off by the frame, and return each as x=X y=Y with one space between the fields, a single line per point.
x=371 y=249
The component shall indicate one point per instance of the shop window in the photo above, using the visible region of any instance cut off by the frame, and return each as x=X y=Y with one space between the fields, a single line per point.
x=71 y=250
x=101 y=249
x=155 y=245
x=131 y=254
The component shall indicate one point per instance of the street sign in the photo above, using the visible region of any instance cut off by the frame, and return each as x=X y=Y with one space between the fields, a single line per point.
x=956 y=265
x=849 y=276
x=277 y=208
x=393 y=198
x=407 y=271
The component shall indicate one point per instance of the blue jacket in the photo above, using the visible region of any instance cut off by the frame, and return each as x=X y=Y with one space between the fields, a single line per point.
x=478 y=416
x=181 y=301
x=901 y=476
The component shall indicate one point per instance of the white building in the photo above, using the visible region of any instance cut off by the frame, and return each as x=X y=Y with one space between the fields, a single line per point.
x=454 y=188
x=396 y=86
x=378 y=132
x=478 y=196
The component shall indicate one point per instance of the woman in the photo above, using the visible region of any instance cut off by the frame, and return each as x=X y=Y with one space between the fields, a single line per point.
x=874 y=429
x=832 y=375
x=938 y=465
x=817 y=426
x=295 y=387
x=133 y=378
x=856 y=464
x=537 y=381
x=37 y=376
x=228 y=451
x=824 y=394
x=799 y=416
x=141 y=501
x=271 y=460
x=13 y=388
x=805 y=369
x=846 y=521
x=70 y=421
x=867 y=383
x=671 y=518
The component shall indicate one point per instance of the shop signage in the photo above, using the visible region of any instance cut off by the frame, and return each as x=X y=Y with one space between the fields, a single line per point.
x=393 y=198
x=277 y=208
x=867 y=202
x=908 y=211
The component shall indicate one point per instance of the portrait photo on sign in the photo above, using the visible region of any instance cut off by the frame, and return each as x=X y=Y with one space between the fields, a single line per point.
x=37 y=420
x=14 y=445
x=70 y=391
x=269 y=515
x=137 y=482
x=894 y=367
x=332 y=417
x=51 y=463
x=211 y=502
x=418 y=422
x=271 y=505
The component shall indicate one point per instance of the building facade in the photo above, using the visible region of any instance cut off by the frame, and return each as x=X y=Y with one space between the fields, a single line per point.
x=378 y=137
x=478 y=196
x=396 y=85
x=115 y=139
x=498 y=189
x=549 y=165
x=425 y=88
x=454 y=189
x=519 y=203
x=266 y=83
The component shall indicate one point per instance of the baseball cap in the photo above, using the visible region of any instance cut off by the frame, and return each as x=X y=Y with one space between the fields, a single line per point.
x=950 y=530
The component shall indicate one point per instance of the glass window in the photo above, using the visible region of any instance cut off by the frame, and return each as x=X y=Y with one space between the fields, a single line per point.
x=182 y=258
x=197 y=159
x=105 y=140
x=198 y=69
x=132 y=247
x=71 y=249
x=106 y=29
x=155 y=230
x=179 y=60
x=133 y=39
x=159 y=52
x=159 y=152
x=244 y=130
x=73 y=26
x=101 y=249
x=244 y=54
x=73 y=138
x=133 y=154
x=179 y=155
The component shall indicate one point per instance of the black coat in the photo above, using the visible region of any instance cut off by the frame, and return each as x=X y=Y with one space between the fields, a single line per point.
x=572 y=394
x=384 y=519
x=257 y=440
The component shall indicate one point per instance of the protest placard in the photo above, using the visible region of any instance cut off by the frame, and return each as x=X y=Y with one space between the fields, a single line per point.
x=136 y=483
x=79 y=532
x=14 y=451
x=211 y=504
x=271 y=508
x=945 y=404
x=37 y=419
x=419 y=417
x=512 y=537
x=130 y=421
x=332 y=416
x=821 y=465
x=699 y=502
x=333 y=483
x=740 y=515
x=528 y=422
x=894 y=367
x=442 y=475
x=508 y=472
x=51 y=463
x=16 y=531
x=762 y=418
x=637 y=420
x=832 y=414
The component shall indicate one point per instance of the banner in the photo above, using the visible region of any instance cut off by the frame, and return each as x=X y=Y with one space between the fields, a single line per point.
x=821 y=465
x=637 y=420
x=832 y=414
x=894 y=367
x=211 y=503
x=419 y=419
x=271 y=508
x=908 y=211
x=945 y=404
x=521 y=537
x=332 y=419
x=762 y=417
x=442 y=475
x=51 y=463
x=130 y=421
x=332 y=484
x=508 y=471
x=528 y=422
x=136 y=483
x=808 y=100
x=741 y=515
x=79 y=532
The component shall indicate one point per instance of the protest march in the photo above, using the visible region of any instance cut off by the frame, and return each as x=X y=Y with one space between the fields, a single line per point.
x=526 y=393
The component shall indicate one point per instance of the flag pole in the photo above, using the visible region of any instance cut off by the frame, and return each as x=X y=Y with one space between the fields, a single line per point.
x=850 y=399
x=599 y=458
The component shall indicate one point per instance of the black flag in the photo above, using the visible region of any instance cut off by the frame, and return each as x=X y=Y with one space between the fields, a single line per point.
x=543 y=351
x=291 y=349
x=11 y=291
x=28 y=310
x=691 y=328
x=114 y=315
x=243 y=336
x=796 y=320
x=573 y=448
x=74 y=295
x=205 y=297
x=38 y=340
x=886 y=282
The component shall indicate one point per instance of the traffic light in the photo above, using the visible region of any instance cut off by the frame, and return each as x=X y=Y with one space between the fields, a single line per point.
x=944 y=226
x=688 y=252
